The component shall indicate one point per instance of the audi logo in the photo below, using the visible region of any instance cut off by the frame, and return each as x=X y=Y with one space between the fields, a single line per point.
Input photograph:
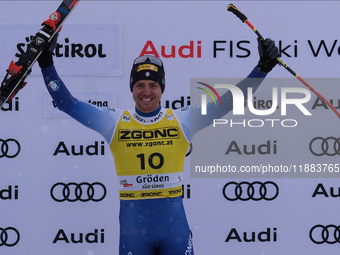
x=320 y=234
x=9 y=236
x=256 y=191
x=83 y=192
x=329 y=146
x=10 y=148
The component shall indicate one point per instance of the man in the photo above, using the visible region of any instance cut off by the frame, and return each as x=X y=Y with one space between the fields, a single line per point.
x=152 y=218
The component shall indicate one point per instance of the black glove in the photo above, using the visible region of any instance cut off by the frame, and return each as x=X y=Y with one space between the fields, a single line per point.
x=46 y=57
x=268 y=53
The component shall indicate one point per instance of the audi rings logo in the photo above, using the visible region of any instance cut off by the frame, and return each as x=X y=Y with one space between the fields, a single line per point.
x=9 y=148
x=9 y=236
x=329 y=146
x=83 y=192
x=320 y=234
x=245 y=191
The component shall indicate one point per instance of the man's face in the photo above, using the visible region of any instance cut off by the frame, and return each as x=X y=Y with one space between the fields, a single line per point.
x=147 y=95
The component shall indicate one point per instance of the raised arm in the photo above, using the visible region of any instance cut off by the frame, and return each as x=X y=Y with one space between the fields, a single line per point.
x=101 y=120
x=268 y=53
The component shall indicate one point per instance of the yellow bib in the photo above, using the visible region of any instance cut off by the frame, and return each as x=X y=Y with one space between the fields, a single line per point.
x=149 y=155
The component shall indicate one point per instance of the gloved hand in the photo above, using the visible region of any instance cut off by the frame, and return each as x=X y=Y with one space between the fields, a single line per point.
x=268 y=53
x=46 y=57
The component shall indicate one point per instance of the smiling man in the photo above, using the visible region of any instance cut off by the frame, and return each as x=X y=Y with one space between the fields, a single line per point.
x=147 y=95
x=147 y=83
x=149 y=146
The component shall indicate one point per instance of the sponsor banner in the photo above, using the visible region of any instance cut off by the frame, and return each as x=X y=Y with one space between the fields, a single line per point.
x=64 y=172
x=99 y=98
x=250 y=216
x=83 y=49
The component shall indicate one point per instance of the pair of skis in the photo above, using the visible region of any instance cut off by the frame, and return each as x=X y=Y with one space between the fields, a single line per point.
x=17 y=72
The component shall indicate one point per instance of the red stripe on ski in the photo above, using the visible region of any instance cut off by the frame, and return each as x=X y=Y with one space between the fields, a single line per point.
x=73 y=4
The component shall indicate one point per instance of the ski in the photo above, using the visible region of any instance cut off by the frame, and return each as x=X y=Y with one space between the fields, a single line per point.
x=18 y=71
